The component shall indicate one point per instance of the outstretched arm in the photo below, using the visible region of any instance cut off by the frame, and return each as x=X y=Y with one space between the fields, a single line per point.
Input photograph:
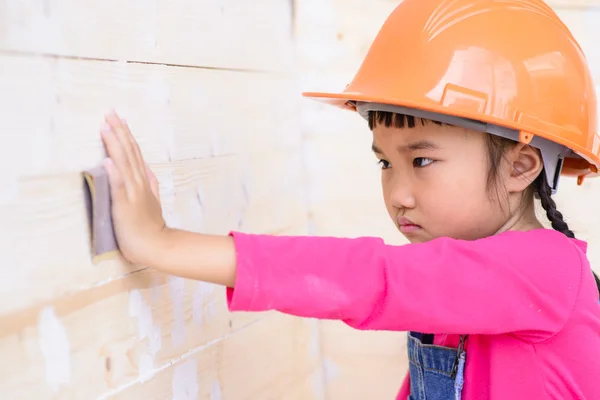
x=523 y=282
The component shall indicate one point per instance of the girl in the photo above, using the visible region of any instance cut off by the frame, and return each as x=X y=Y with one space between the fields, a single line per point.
x=469 y=126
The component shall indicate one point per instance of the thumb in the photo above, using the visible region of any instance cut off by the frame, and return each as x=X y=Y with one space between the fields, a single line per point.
x=153 y=182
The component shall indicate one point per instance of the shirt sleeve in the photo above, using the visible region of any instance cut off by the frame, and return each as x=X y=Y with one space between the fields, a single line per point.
x=524 y=282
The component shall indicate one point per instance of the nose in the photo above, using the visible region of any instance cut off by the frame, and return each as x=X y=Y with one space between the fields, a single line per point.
x=401 y=194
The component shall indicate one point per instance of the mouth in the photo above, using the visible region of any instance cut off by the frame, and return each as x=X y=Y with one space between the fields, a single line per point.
x=405 y=225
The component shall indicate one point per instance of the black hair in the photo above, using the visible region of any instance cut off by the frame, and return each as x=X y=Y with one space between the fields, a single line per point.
x=496 y=148
x=555 y=217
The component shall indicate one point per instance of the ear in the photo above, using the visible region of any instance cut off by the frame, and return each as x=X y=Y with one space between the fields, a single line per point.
x=525 y=164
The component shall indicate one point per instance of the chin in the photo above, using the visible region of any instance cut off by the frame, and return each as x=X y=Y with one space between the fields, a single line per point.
x=417 y=237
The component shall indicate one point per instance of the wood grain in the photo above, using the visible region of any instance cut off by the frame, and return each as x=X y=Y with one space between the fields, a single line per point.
x=214 y=156
x=270 y=359
x=53 y=110
x=335 y=35
x=361 y=365
x=226 y=148
x=116 y=334
x=234 y=147
x=45 y=234
x=46 y=241
x=224 y=34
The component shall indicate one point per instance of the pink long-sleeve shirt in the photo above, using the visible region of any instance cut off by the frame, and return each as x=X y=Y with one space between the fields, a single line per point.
x=528 y=301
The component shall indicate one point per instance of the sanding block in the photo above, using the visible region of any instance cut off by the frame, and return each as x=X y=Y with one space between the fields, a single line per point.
x=98 y=205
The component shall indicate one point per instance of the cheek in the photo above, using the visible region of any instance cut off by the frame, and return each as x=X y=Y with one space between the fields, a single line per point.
x=455 y=192
x=386 y=189
x=462 y=205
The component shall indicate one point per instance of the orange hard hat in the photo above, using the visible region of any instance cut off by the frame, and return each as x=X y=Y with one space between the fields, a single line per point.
x=510 y=68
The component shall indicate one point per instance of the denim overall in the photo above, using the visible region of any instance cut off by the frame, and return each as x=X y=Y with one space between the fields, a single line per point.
x=436 y=372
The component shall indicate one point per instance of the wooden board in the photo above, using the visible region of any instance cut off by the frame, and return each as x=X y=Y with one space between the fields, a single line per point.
x=45 y=237
x=234 y=149
x=58 y=298
x=361 y=365
x=336 y=34
x=271 y=359
x=225 y=34
x=53 y=110
x=227 y=155
x=122 y=337
x=213 y=154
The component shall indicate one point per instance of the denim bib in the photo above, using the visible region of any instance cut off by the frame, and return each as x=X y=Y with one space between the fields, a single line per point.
x=436 y=372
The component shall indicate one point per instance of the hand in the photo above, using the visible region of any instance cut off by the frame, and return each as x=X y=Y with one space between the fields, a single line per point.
x=136 y=210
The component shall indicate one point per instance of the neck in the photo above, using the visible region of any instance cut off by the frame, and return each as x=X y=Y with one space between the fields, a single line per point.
x=524 y=219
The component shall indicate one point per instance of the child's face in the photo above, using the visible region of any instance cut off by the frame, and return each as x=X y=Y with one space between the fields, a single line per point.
x=435 y=177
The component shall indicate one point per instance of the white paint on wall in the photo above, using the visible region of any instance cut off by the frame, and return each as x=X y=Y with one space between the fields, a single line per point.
x=32 y=21
x=146 y=367
x=157 y=88
x=176 y=291
x=215 y=390
x=155 y=289
x=311 y=227
x=158 y=94
x=155 y=340
x=146 y=329
x=197 y=305
x=194 y=215
x=202 y=292
x=138 y=310
x=318 y=378
x=170 y=213
x=315 y=343
x=212 y=309
x=318 y=46
x=330 y=369
x=318 y=382
x=10 y=187
x=247 y=188
x=201 y=197
x=215 y=141
x=592 y=30
x=167 y=133
x=185 y=381
x=55 y=347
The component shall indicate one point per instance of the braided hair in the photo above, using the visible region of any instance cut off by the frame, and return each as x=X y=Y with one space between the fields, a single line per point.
x=555 y=217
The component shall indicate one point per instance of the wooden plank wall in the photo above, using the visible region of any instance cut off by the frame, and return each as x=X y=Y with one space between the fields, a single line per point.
x=211 y=89
x=208 y=90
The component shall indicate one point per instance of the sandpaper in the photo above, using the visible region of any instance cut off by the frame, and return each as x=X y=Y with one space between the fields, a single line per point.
x=98 y=205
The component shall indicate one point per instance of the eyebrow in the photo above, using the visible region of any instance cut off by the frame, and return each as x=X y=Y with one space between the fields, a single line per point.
x=418 y=145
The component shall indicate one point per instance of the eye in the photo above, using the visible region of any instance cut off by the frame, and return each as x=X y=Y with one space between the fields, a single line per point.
x=421 y=162
x=384 y=164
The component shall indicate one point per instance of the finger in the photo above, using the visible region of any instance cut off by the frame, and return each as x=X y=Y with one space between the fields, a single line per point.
x=136 y=154
x=118 y=190
x=127 y=143
x=117 y=154
x=153 y=184
x=139 y=158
